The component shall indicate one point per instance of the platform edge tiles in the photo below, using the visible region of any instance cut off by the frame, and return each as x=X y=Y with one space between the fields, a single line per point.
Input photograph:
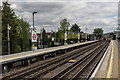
x=22 y=55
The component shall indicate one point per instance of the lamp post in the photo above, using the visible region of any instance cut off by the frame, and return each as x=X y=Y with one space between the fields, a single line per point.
x=55 y=36
x=33 y=45
x=78 y=34
x=33 y=20
x=8 y=40
x=86 y=34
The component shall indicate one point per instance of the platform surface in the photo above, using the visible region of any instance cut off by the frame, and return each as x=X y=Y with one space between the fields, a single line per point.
x=109 y=67
x=22 y=55
x=119 y=59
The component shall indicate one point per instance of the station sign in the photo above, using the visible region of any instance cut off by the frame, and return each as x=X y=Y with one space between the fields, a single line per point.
x=65 y=36
x=78 y=36
x=34 y=36
x=52 y=39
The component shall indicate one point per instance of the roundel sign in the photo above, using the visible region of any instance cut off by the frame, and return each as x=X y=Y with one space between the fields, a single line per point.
x=34 y=36
x=65 y=36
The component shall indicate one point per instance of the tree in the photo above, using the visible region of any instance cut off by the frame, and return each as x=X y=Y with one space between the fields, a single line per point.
x=75 y=28
x=45 y=37
x=64 y=23
x=61 y=33
x=98 y=32
x=0 y=30
x=24 y=34
x=19 y=32
x=9 y=17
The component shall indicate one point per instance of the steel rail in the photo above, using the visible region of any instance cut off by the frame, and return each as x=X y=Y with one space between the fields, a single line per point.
x=40 y=67
x=81 y=70
x=58 y=64
x=64 y=72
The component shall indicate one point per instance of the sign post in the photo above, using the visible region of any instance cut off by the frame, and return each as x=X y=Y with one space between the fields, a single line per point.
x=65 y=38
x=78 y=37
x=34 y=40
x=8 y=40
x=34 y=36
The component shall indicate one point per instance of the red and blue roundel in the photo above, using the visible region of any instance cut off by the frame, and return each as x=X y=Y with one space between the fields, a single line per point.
x=34 y=36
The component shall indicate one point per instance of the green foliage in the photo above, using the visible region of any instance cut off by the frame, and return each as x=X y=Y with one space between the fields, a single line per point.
x=98 y=32
x=23 y=30
x=75 y=28
x=61 y=33
x=45 y=37
x=64 y=23
x=8 y=17
x=72 y=32
x=19 y=32
x=0 y=31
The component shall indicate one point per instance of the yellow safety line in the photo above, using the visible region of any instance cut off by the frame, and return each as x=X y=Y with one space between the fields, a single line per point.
x=24 y=54
x=110 y=64
x=34 y=47
x=21 y=55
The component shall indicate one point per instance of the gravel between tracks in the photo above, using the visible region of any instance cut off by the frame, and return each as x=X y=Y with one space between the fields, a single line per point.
x=31 y=66
x=77 y=68
x=51 y=73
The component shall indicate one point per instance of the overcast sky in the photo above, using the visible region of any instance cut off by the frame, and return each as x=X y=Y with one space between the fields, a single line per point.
x=89 y=15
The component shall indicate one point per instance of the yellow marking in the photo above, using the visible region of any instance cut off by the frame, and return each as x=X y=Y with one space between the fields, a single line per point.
x=65 y=43
x=34 y=47
x=110 y=64
x=21 y=55
x=72 y=60
x=35 y=52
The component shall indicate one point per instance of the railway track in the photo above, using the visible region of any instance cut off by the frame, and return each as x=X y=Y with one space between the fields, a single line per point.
x=50 y=65
x=83 y=68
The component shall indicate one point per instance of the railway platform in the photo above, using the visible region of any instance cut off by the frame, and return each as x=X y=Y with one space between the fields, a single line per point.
x=109 y=64
x=26 y=58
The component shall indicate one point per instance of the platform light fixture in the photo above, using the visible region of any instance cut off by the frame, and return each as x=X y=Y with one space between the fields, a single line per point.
x=33 y=20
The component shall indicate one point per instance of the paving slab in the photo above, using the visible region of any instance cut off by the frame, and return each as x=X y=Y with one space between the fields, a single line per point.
x=115 y=60
x=109 y=66
x=119 y=58
x=103 y=68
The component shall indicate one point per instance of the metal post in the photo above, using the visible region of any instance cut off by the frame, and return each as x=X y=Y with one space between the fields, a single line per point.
x=72 y=35
x=68 y=35
x=55 y=35
x=8 y=40
x=86 y=34
x=41 y=39
x=31 y=40
x=65 y=35
x=22 y=38
x=33 y=24
x=65 y=32
x=33 y=20
x=78 y=34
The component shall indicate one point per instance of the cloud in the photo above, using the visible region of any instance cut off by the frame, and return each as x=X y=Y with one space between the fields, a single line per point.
x=86 y=14
x=64 y=0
